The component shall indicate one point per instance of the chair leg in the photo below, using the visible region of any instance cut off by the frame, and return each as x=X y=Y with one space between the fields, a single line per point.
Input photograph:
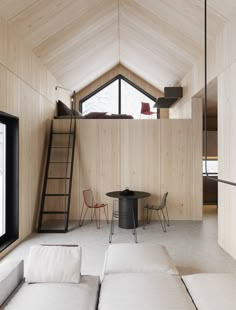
x=167 y=220
x=81 y=216
x=149 y=220
x=134 y=229
x=145 y=222
x=97 y=219
x=111 y=227
x=106 y=213
x=162 y=221
x=92 y=214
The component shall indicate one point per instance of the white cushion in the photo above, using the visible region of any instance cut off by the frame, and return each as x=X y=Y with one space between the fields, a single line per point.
x=53 y=264
x=59 y=296
x=139 y=257
x=11 y=274
x=139 y=291
x=211 y=291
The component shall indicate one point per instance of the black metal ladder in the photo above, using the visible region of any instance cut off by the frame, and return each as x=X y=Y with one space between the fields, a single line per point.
x=58 y=175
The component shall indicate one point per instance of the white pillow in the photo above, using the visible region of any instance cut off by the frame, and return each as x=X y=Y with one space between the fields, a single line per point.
x=53 y=264
x=126 y=258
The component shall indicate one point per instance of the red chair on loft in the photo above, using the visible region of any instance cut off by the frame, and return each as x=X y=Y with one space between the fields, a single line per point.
x=94 y=206
x=145 y=109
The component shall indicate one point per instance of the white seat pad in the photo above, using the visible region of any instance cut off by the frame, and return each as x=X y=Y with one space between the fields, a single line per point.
x=127 y=258
x=141 y=291
x=59 y=296
x=212 y=291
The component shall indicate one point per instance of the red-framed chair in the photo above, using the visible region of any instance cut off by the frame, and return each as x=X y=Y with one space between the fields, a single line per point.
x=145 y=109
x=89 y=203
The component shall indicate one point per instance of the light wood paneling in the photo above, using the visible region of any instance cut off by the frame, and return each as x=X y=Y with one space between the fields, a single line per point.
x=226 y=155
x=11 y=8
x=140 y=158
x=158 y=40
x=3 y=40
x=146 y=155
x=20 y=95
x=176 y=167
x=99 y=158
x=3 y=87
x=197 y=185
x=221 y=65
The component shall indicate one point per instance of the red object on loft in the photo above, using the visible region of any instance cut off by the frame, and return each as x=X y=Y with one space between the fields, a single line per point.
x=145 y=109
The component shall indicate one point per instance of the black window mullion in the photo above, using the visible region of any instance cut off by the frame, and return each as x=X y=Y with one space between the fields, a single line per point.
x=119 y=96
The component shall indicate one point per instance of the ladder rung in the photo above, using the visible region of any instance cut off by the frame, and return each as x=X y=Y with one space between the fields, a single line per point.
x=54 y=212
x=58 y=178
x=63 y=133
x=61 y=147
x=56 y=194
x=60 y=162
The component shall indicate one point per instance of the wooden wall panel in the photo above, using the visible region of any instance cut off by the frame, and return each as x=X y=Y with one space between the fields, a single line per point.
x=176 y=167
x=146 y=155
x=197 y=184
x=226 y=159
x=140 y=157
x=13 y=94
x=3 y=88
x=21 y=78
x=3 y=40
x=99 y=158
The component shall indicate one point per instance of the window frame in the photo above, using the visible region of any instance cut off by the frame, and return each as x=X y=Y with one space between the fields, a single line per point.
x=119 y=77
x=12 y=180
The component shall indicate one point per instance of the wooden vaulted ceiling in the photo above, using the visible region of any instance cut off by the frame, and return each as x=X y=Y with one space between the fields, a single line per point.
x=79 y=40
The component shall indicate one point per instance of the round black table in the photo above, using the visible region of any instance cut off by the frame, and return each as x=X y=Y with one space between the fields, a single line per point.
x=128 y=207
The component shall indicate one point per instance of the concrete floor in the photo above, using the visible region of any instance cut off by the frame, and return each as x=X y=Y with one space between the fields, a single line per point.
x=192 y=245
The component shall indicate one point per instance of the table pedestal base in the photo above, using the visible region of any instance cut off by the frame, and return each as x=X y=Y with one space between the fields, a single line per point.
x=128 y=213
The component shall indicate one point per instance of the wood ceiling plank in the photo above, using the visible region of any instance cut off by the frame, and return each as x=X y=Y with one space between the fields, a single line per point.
x=79 y=30
x=99 y=63
x=175 y=19
x=149 y=67
x=136 y=49
x=39 y=22
x=157 y=27
x=10 y=8
x=154 y=45
x=194 y=9
x=224 y=8
x=98 y=41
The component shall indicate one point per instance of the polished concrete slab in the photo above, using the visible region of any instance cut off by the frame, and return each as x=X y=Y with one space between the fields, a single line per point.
x=192 y=245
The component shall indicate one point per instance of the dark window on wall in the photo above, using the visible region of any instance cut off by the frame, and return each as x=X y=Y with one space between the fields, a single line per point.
x=118 y=96
x=9 y=179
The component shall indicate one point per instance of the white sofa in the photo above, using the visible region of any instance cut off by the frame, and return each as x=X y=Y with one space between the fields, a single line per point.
x=135 y=276
x=44 y=293
x=141 y=276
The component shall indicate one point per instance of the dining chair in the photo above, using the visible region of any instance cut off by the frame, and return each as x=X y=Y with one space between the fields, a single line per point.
x=145 y=109
x=162 y=212
x=89 y=203
x=116 y=215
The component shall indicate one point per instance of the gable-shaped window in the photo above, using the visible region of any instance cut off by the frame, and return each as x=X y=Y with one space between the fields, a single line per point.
x=119 y=96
